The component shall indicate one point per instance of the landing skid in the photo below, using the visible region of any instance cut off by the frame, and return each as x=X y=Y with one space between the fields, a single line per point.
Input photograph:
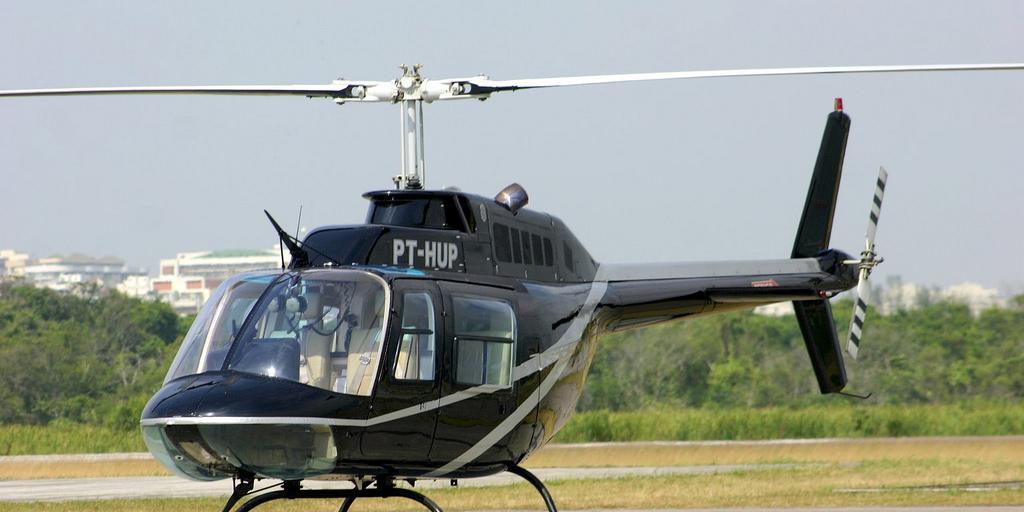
x=385 y=488
x=537 y=484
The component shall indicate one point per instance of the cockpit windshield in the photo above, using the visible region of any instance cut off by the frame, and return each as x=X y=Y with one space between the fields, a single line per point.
x=211 y=334
x=323 y=328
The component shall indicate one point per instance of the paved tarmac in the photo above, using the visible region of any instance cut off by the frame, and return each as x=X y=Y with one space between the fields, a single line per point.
x=67 y=489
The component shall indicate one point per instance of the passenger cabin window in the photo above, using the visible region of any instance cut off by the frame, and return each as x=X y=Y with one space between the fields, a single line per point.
x=517 y=247
x=538 y=251
x=485 y=341
x=527 y=255
x=433 y=213
x=512 y=245
x=502 y=246
x=415 y=358
x=569 y=261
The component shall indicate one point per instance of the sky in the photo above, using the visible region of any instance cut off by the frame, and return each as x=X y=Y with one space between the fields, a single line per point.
x=687 y=170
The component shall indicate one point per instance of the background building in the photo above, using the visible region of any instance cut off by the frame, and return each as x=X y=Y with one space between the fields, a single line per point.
x=66 y=272
x=140 y=287
x=186 y=280
x=976 y=297
x=12 y=263
x=895 y=295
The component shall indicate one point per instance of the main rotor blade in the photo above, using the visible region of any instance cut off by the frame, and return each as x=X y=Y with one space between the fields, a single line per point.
x=334 y=90
x=455 y=88
x=534 y=83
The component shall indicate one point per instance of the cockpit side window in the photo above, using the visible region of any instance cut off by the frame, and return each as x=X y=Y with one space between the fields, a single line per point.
x=485 y=335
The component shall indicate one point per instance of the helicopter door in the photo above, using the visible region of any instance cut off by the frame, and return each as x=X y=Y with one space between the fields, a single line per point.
x=481 y=352
x=408 y=376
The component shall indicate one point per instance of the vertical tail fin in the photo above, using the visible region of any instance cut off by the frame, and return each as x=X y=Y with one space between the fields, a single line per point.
x=812 y=237
x=815 y=228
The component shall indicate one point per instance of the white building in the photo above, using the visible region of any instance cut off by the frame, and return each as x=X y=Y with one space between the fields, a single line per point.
x=139 y=287
x=12 y=263
x=976 y=297
x=187 y=280
x=899 y=296
x=776 y=309
x=64 y=273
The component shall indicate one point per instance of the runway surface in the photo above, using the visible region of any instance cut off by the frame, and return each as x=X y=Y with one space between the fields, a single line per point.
x=67 y=489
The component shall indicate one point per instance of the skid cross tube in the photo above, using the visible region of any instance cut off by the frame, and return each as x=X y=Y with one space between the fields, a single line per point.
x=350 y=495
x=537 y=484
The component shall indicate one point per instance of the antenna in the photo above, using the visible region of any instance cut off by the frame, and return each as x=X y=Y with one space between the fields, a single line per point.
x=300 y=258
x=298 y=223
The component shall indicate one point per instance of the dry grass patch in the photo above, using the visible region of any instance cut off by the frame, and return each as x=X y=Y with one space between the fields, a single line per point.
x=982 y=449
x=818 y=486
x=80 y=469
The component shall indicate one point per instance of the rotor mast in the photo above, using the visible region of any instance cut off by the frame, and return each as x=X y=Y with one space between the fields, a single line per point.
x=413 y=174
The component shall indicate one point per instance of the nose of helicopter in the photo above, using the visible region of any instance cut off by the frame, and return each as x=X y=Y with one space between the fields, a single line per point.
x=216 y=425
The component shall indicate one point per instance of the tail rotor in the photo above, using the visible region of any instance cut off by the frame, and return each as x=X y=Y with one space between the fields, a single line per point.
x=867 y=262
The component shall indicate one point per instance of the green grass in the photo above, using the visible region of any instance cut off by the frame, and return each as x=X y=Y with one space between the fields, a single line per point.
x=66 y=437
x=844 y=420
x=856 y=421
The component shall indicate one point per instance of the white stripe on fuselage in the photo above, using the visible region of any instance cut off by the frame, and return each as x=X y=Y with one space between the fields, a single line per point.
x=559 y=354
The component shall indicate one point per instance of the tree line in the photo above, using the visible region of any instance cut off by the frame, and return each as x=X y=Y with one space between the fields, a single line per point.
x=96 y=356
x=92 y=356
x=936 y=353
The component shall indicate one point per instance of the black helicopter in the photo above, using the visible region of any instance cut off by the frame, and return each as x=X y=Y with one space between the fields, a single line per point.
x=450 y=335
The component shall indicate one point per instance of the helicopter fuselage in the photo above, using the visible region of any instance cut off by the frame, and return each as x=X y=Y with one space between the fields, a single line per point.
x=446 y=338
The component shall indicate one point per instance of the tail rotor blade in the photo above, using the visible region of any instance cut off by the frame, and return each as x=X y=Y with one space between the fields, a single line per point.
x=860 y=312
x=876 y=207
x=868 y=261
